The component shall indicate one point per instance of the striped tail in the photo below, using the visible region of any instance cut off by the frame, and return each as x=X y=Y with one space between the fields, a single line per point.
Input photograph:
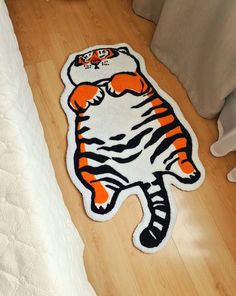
x=159 y=207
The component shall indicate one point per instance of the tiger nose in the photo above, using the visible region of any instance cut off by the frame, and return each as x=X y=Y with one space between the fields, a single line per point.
x=95 y=62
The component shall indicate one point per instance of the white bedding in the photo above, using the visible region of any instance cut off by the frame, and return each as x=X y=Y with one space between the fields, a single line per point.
x=41 y=252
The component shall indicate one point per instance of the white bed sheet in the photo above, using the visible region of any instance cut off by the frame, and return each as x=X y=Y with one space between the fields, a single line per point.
x=41 y=252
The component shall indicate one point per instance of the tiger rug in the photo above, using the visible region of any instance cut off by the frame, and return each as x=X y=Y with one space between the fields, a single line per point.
x=126 y=136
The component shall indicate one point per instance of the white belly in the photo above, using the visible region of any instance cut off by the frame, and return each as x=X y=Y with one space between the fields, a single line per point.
x=115 y=116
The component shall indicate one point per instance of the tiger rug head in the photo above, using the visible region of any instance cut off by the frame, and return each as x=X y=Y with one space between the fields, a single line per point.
x=126 y=136
x=106 y=62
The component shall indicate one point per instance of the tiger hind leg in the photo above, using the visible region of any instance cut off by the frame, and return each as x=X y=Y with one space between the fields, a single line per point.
x=104 y=192
x=182 y=166
x=180 y=162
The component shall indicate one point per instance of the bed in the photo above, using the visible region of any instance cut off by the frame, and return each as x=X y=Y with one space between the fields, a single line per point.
x=41 y=252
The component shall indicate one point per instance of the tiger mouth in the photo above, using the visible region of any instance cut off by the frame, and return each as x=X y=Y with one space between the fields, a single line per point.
x=95 y=63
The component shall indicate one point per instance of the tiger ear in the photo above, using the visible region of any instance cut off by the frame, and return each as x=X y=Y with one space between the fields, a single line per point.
x=123 y=49
x=76 y=60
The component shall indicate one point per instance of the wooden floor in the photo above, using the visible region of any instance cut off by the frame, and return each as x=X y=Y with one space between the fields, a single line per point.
x=200 y=257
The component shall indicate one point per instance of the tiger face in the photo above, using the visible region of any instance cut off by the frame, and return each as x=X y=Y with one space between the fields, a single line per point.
x=106 y=62
x=94 y=58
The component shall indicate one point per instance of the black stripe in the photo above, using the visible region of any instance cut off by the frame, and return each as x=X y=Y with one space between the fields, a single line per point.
x=91 y=141
x=162 y=105
x=159 y=193
x=82 y=118
x=168 y=167
x=94 y=156
x=141 y=81
x=103 y=169
x=134 y=142
x=127 y=159
x=148 y=100
x=110 y=180
x=165 y=145
x=117 y=137
x=174 y=153
x=160 y=220
x=161 y=131
x=82 y=130
x=151 y=118
x=111 y=187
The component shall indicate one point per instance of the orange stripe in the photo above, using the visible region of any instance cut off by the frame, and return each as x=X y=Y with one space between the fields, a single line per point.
x=160 y=110
x=157 y=102
x=180 y=143
x=166 y=119
x=174 y=131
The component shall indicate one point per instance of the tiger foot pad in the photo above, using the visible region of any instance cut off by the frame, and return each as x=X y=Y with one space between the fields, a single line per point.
x=126 y=136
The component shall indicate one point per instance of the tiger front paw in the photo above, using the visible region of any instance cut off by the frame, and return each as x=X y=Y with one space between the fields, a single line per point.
x=126 y=82
x=114 y=91
x=85 y=95
x=97 y=98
